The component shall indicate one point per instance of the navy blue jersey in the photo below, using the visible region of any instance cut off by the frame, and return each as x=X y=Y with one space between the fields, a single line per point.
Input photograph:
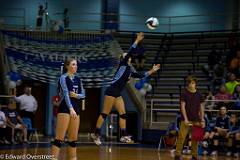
x=67 y=85
x=125 y=72
x=234 y=128
x=12 y=115
x=223 y=122
x=207 y=124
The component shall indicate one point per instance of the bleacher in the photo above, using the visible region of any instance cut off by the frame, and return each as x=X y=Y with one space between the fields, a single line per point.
x=180 y=54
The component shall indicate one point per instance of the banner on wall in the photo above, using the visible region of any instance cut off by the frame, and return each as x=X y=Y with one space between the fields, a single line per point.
x=96 y=60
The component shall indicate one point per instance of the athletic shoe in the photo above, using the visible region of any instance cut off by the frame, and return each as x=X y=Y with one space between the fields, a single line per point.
x=229 y=154
x=205 y=152
x=214 y=153
x=126 y=139
x=96 y=139
x=235 y=155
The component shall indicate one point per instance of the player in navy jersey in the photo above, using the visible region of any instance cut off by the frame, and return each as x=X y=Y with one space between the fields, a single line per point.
x=220 y=130
x=233 y=136
x=71 y=92
x=113 y=93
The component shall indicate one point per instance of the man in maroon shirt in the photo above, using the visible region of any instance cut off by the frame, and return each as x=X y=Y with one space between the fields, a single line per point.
x=192 y=111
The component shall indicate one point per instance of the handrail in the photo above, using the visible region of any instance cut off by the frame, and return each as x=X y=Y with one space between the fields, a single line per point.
x=164 y=20
x=175 y=110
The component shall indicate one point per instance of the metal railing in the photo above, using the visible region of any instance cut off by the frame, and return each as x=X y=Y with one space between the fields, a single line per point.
x=152 y=109
x=167 y=24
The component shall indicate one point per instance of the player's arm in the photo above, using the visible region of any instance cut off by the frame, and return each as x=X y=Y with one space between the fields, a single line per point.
x=139 y=38
x=65 y=91
x=146 y=74
x=184 y=113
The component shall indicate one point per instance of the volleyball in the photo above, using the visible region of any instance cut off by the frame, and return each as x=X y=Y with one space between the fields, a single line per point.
x=152 y=23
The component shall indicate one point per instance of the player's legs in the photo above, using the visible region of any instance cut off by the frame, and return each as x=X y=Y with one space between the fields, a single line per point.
x=119 y=104
x=107 y=107
x=72 y=137
x=61 y=128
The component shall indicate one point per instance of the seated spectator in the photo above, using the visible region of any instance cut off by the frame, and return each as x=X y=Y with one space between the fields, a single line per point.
x=230 y=85
x=234 y=66
x=3 y=130
x=214 y=58
x=231 y=135
x=14 y=121
x=223 y=95
x=207 y=130
x=220 y=130
x=209 y=104
x=218 y=78
x=236 y=96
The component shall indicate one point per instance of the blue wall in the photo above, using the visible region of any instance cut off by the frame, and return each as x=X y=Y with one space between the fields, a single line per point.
x=133 y=13
x=164 y=9
x=76 y=7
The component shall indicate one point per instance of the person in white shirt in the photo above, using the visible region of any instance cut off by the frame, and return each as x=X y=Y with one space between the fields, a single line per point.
x=28 y=104
x=3 y=122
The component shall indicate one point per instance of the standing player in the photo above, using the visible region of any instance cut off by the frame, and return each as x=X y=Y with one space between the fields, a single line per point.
x=192 y=110
x=113 y=93
x=71 y=92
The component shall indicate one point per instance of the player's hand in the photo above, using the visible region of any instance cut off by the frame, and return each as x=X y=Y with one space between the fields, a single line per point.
x=73 y=94
x=186 y=122
x=140 y=36
x=228 y=135
x=156 y=67
x=73 y=113
x=203 y=125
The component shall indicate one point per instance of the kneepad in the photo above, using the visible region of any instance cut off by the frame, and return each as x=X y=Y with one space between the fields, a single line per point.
x=72 y=143
x=57 y=143
x=123 y=116
x=104 y=115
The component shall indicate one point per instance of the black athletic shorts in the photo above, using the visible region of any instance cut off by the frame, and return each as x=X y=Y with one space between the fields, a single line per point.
x=113 y=91
x=63 y=108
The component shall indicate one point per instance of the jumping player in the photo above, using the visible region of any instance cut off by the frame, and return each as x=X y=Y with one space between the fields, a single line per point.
x=113 y=93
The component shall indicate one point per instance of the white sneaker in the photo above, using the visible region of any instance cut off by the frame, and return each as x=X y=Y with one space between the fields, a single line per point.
x=205 y=153
x=96 y=139
x=229 y=154
x=236 y=155
x=214 y=153
x=126 y=139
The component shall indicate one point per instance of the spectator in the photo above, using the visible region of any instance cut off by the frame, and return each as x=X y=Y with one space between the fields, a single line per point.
x=223 y=96
x=66 y=19
x=236 y=96
x=231 y=134
x=56 y=100
x=3 y=130
x=214 y=58
x=209 y=104
x=28 y=104
x=206 y=135
x=230 y=85
x=14 y=121
x=220 y=130
x=40 y=15
x=234 y=66
x=218 y=77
